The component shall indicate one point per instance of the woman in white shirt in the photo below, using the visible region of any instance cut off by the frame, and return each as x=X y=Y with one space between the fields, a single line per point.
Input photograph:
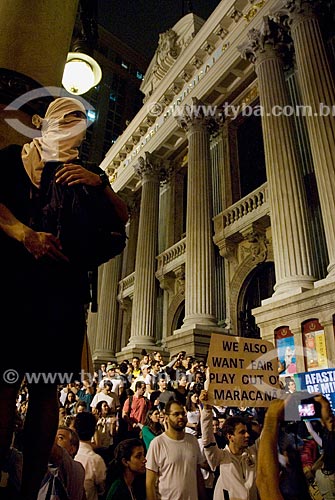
x=193 y=414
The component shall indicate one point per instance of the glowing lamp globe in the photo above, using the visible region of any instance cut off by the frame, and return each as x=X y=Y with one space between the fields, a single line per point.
x=81 y=73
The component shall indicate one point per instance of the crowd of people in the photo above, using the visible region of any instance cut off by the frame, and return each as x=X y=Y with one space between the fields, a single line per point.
x=144 y=429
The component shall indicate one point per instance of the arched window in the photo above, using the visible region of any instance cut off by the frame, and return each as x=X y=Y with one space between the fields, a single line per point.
x=260 y=283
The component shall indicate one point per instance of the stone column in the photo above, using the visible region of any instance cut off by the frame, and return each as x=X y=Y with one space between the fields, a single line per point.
x=168 y=209
x=217 y=162
x=105 y=344
x=318 y=92
x=129 y=253
x=199 y=301
x=289 y=221
x=144 y=301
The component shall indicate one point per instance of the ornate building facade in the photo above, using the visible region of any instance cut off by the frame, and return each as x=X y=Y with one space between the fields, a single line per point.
x=230 y=176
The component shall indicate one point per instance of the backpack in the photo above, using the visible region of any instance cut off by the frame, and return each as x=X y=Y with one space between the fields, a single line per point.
x=82 y=218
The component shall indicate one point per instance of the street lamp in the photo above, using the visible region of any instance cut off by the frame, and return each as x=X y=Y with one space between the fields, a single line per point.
x=81 y=73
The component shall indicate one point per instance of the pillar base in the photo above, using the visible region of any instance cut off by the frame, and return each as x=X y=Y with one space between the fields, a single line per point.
x=291 y=286
x=280 y=296
x=326 y=281
x=103 y=356
x=193 y=339
x=129 y=352
x=206 y=320
x=331 y=271
x=141 y=342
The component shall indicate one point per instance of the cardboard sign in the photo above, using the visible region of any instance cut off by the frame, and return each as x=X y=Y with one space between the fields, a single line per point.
x=242 y=371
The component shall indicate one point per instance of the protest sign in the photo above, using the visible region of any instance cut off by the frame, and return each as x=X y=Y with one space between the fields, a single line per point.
x=242 y=371
x=318 y=381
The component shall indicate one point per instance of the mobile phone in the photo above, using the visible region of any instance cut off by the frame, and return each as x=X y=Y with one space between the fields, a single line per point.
x=301 y=407
x=307 y=410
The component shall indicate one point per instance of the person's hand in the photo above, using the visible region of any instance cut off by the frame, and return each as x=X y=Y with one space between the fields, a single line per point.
x=203 y=398
x=42 y=245
x=327 y=416
x=276 y=410
x=72 y=174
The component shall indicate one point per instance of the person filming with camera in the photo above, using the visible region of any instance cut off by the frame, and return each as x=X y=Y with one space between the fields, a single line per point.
x=269 y=477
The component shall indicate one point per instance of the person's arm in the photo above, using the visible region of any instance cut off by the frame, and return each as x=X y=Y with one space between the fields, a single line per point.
x=125 y=409
x=150 y=482
x=212 y=452
x=39 y=244
x=56 y=455
x=267 y=476
x=72 y=174
x=314 y=434
x=327 y=417
x=112 y=425
x=119 y=205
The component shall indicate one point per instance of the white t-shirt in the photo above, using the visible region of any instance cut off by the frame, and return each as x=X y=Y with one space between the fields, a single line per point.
x=101 y=396
x=193 y=417
x=117 y=384
x=176 y=464
x=95 y=471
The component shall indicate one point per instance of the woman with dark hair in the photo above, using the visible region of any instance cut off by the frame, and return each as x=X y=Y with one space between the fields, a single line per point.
x=106 y=426
x=70 y=403
x=193 y=413
x=152 y=426
x=127 y=466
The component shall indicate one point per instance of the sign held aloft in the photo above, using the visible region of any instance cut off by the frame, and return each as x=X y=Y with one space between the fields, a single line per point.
x=242 y=371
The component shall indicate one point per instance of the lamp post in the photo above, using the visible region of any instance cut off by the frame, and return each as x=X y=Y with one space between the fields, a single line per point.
x=82 y=72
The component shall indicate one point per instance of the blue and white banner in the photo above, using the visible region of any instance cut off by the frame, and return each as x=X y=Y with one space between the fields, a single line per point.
x=321 y=381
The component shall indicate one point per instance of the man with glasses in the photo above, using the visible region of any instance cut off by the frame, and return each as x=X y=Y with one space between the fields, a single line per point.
x=174 y=460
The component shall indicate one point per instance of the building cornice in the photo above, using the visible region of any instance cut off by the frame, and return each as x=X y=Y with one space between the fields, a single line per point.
x=221 y=33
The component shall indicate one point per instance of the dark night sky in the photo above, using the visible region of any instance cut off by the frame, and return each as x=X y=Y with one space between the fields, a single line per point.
x=138 y=23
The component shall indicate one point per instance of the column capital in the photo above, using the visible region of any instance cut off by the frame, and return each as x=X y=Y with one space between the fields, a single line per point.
x=134 y=203
x=167 y=172
x=270 y=40
x=295 y=12
x=151 y=167
x=199 y=115
x=304 y=8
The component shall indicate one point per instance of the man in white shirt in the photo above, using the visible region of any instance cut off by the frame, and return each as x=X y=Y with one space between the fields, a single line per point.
x=115 y=379
x=173 y=461
x=94 y=465
x=237 y=460
x=107 y=395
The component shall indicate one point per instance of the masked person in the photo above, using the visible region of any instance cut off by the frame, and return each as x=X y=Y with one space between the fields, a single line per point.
x=43 y=293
